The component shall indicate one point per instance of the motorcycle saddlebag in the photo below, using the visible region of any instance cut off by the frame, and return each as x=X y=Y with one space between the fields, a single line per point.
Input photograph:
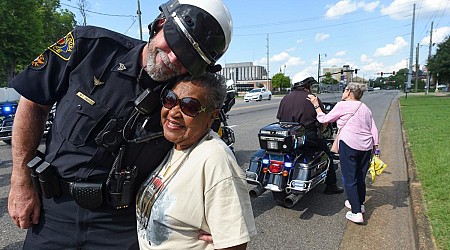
x=282 y=137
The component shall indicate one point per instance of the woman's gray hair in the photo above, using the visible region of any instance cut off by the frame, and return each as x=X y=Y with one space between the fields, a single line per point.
x=357 y=89
x=216 y=89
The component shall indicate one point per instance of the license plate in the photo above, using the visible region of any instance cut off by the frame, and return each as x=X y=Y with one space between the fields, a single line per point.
x=272 y=145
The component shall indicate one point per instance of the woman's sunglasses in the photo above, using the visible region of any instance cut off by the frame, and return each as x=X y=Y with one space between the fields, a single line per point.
x=189 y=106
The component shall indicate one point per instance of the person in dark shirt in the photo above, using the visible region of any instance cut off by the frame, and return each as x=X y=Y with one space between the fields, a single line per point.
x=295 y=107
x=106 y=136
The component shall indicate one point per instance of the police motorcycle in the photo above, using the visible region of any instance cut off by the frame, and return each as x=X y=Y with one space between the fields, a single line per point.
x=7 y=114
x=220 y=125
x=285 y=165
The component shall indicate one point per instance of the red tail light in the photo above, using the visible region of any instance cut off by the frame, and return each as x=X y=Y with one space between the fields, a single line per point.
x=276 y=166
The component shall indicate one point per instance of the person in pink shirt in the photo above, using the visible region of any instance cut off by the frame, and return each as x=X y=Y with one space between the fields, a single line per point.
x=358 y=138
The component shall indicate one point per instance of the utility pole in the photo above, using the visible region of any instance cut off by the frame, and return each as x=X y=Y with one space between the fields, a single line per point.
x=139 y=17
x=318 y=70
x=411 y=51
x=429 y=56
x=417 y=66
x=268 y=62
x=318 y=73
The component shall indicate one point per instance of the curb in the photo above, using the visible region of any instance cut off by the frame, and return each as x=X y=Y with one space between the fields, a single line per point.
x=422 y=228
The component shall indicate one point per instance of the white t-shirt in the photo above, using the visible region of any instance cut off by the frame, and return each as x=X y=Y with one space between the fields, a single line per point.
x=208 y=191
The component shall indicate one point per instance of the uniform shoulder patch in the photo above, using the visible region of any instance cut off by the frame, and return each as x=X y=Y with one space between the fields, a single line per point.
x=39 y=62
x=63 y=48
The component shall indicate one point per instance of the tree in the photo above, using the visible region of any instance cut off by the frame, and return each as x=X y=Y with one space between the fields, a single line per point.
x=26 y=29
x=398 y=80
x=281 y=81
x=328 y=79
x=19 y=28
x=439 y=63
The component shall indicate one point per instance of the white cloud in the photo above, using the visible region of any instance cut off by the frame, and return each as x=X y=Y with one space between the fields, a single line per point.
x=321 y=36
x=402 y=9
x=400 y=65
x=365 y=59
x=341 y=8
x=392 y=48
x=294 y=61
x=341 y=53
x=280 y=57
x=439 y=36
x=369 y=6
x=373 y=67
x=299 y=41
x=279 y=60
x=291 y=49
x=347 y=6
x=333 y=62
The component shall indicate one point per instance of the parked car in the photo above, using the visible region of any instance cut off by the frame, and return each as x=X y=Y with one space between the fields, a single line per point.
x=258 y=94
x=370 y=89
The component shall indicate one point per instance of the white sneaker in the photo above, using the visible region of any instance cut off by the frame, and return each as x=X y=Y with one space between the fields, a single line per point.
x=357 y=218
x=347 y=204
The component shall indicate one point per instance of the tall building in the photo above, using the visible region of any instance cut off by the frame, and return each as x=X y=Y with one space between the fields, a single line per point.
x=246 y=76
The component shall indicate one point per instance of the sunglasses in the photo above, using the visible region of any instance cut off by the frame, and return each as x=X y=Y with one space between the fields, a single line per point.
x=189 y=105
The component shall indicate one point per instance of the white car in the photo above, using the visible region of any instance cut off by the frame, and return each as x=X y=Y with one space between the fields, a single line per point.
x=258 y=94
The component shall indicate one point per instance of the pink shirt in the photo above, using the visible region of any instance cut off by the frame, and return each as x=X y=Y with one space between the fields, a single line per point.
x=360 y=132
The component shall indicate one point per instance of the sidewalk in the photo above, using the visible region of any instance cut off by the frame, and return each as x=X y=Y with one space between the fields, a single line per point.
x=394 y=217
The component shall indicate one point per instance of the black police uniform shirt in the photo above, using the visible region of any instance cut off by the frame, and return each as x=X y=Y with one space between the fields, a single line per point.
x=294 y=107
x=91 y=74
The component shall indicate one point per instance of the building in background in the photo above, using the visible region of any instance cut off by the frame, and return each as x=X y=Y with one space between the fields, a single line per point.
x=344 y=77
x=246 y=76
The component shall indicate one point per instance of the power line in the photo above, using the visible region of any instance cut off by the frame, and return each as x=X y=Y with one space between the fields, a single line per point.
x=319 y=27
x=99 y=13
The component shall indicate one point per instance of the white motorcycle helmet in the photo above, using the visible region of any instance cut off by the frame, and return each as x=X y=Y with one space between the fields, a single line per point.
x=197 y=31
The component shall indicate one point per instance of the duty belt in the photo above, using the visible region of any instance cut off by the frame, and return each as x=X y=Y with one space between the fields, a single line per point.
x=88 y=195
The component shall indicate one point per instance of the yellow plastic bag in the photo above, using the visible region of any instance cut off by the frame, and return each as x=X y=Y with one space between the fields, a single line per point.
x=376 y=167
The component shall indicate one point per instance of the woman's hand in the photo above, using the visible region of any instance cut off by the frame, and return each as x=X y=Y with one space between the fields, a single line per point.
x=313 y=99
x=205 y=236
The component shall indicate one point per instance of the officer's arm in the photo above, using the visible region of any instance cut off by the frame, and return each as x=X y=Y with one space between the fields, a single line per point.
x=29 y=123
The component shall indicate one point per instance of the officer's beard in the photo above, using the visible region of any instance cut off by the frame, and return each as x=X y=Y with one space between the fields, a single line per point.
x=160 y=72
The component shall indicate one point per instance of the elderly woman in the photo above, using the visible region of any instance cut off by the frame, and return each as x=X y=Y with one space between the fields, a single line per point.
x=199 y=186
x=358 y=137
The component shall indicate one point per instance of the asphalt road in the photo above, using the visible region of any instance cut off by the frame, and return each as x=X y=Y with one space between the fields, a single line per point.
x=316 y=222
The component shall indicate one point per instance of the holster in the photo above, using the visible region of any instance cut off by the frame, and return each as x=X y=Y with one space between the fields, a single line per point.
x=87 y=195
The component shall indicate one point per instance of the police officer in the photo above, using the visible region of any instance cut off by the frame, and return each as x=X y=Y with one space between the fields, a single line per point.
x=295 y=107
x=106 y=135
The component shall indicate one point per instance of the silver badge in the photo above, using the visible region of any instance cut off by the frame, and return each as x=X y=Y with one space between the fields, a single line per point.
x=121 y=67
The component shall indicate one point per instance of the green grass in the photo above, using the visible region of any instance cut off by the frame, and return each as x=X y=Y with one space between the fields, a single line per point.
x=427 y=124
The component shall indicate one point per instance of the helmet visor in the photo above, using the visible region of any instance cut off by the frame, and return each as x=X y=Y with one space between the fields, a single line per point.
x=189 y=57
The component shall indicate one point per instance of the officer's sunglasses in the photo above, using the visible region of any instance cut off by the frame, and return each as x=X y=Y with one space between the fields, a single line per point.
x=189 y=105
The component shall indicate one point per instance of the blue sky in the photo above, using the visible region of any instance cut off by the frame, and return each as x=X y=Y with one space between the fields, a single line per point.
x=372 y=36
